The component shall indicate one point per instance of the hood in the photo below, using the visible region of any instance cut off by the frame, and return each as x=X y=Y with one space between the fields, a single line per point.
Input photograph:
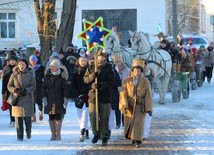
x=64 y=72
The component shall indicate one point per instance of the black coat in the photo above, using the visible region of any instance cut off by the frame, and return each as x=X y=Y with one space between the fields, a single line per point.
x=39 y=76
x=115 y=92
x=6 y=73
x=55 y=89
x=78 y=86
x=105 y=83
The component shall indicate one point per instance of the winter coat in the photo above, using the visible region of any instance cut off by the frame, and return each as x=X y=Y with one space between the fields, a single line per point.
x=201 y=60
x=209 y=59
x=6 y=73
x=23 y=80
x=105 y=81
x=134 y=103
x=78 y=86
x=39 y=76
x=55 y=88
x=115 y=92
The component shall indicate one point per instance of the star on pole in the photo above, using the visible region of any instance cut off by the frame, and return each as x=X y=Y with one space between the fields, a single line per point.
x=94 y=34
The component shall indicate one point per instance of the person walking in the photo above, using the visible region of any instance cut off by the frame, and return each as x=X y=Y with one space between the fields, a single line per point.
x=105 y=78
x=22 y=82
x=80 y=95
x=55 y=96
x=6 y=73
x=124 y=72
x=135 y=102
x=39 y=75
x=209 y=63
x=115 y=100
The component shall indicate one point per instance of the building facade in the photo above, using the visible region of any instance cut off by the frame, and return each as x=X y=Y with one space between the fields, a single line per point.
x=18 y=25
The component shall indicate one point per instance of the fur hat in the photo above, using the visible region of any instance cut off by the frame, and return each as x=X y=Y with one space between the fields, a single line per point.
x=137 y=63
x=23 y=60
x=33 y=58
x=55 y=63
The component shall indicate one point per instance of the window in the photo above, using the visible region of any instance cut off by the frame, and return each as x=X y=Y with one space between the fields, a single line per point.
x=7 y=25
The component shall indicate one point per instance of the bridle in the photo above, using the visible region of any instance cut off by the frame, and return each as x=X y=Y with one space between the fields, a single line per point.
x=112 y=43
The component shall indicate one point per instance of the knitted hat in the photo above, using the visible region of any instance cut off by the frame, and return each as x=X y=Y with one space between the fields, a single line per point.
x=12 y=57
x=202 y=46
x=33 y=58
x=137 y=63
x=55 y=63
x=61 y=51
x=23 y=60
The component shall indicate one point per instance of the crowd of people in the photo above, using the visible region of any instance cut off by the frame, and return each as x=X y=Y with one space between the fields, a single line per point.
x=74 y=75
x=203 y=57
x=124 y=94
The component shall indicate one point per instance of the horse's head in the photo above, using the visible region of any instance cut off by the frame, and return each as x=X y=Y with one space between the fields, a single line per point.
x=139 y=42
x=112 y=43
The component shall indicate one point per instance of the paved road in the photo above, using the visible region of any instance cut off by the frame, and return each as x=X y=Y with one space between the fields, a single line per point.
x=184 y=128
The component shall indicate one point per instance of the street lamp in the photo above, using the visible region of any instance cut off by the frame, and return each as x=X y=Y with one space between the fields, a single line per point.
x=212 y=22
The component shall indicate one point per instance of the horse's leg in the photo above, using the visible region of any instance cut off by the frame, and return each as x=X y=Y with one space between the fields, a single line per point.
x=165 y=83
x=160 y=90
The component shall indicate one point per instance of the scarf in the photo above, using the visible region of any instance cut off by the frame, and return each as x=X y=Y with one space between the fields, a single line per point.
x=57 y=72
x=36 y=66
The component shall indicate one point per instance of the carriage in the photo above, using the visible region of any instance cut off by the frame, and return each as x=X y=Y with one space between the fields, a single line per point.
x=159 y=65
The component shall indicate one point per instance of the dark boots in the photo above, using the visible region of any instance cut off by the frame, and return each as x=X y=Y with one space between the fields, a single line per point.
x=82 y=138
x=86 y=134
x=95 y=139
x=20 y=127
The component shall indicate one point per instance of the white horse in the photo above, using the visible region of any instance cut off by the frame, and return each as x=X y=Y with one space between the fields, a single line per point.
x=113 y=47
x=158 y=61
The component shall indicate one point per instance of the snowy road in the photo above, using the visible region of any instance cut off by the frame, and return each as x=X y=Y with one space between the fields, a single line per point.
x=182 y=128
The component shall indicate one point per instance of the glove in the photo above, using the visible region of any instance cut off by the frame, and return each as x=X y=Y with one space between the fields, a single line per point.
x=150 y=113
x=95 y=74
x=17 y=90
x=94 y=86
x=65 y=104
x=44 y=101
x=22 y=92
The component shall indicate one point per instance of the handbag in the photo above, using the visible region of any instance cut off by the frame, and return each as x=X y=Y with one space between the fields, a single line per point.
x=13 y=99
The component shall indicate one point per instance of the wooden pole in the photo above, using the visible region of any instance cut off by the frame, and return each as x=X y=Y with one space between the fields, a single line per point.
x=96 y=90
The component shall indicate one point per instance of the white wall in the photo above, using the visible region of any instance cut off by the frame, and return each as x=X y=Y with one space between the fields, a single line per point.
x=149 y=13
x=209 y=7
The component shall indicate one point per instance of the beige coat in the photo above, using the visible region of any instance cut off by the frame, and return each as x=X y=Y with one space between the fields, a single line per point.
x=134 y=104
x=26 y=81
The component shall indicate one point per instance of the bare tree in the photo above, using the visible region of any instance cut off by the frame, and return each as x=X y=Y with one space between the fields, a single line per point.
x=46 y=25
x=65 y=32
x=188 y=16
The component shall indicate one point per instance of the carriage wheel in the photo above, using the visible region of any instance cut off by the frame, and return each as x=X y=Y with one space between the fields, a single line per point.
x=185 y=93
x=193 y=81
x=193 y=85
x=176 y=91
x=200 y=82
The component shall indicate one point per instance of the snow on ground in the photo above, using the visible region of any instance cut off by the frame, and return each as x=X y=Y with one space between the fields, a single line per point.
x=40 y=142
